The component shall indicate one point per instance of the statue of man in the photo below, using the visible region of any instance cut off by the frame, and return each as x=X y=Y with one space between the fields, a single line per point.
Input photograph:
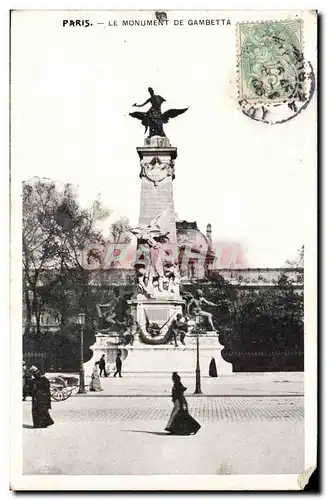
x=194 y=308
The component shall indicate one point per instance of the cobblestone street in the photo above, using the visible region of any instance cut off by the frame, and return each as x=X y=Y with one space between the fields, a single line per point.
x=103 y=434
x=206 y=409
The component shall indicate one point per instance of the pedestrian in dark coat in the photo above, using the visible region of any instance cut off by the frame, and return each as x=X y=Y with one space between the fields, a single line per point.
x=119 y=364
x=213 y=368
x=41 y=400
x=180 y=421
x=27 y=383
x=102 y=366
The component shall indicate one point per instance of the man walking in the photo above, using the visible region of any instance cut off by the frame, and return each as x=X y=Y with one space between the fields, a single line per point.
x=119 y=364
x=102 y=366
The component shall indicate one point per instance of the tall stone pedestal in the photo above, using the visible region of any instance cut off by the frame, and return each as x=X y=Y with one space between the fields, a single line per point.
x=157 y=161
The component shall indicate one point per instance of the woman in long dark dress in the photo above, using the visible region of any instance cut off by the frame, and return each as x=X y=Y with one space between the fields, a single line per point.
x=180 y=421
x=41 y=400
x=213 y=368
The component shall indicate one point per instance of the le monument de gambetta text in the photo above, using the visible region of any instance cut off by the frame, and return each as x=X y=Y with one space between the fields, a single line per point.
x=86 y=23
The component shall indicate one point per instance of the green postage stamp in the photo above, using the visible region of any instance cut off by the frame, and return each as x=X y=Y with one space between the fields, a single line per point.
x=270 y=61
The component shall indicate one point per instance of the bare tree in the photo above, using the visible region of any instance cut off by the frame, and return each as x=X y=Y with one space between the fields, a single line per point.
x=119 y=231
x=298 y=262
x=55 y=232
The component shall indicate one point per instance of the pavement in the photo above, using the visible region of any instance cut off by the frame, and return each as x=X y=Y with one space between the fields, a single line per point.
x=121 y=431
x=237 y=384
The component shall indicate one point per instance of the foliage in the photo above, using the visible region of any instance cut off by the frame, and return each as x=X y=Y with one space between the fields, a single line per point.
x=119 y=231
x=266 y=320
x=297 y=264
x=55 y=233
x=62 y=347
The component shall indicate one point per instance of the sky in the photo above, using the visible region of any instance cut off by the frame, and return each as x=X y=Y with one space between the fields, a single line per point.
x=73 y=88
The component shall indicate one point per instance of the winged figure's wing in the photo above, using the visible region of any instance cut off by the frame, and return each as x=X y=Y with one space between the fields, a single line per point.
x=160 y=221
x=172 y=113
x=140 y=116
x=136 y=231
x=155 y=221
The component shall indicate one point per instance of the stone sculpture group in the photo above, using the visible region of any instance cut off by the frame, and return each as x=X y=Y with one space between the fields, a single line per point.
x=156 y=271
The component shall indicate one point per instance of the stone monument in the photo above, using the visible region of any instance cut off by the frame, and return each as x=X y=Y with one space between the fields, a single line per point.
x=145 y=335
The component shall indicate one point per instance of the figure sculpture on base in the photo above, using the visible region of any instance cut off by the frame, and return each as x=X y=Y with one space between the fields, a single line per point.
x=150 y=270
x=154 y=119
x=178 y=328
x=106 y=315
x=172 y=276
x=115 y=320
x=194 y=308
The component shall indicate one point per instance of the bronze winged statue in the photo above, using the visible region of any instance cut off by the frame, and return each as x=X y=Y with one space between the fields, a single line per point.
x=153 y=119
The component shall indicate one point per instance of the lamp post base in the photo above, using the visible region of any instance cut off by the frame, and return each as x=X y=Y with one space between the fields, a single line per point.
x=81 y=389
x=197 y=382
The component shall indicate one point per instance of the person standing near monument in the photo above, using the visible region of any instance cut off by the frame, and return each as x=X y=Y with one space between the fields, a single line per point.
x=213 y=368
x=41 y=400
x=119 y=364
x=102 y=366
x=95 y=385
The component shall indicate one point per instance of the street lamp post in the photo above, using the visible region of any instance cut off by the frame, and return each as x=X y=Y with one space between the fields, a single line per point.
x=81 y=322
x=197 y=370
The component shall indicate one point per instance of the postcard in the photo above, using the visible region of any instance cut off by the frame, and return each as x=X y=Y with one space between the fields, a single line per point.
x=163 y=249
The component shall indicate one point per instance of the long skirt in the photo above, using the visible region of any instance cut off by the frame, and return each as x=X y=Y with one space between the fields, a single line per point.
x=181 y=422
x=95 y=384
x=41 y=416
x=213 y=369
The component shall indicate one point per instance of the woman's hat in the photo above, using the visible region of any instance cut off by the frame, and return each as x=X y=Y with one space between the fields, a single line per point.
x=34 y=369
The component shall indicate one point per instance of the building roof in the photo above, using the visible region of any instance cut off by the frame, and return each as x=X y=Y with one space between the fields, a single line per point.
x=189 y=236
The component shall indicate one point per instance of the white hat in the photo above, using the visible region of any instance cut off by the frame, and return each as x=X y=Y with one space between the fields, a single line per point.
x=34 y=369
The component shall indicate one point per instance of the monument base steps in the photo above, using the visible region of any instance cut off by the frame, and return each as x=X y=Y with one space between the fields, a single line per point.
x=142 y=359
